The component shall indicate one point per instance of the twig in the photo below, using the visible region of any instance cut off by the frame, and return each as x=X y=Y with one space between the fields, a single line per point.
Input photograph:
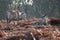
x=33 y=36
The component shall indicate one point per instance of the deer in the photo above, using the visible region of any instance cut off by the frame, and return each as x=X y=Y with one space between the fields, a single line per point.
x=43 y=22
x=15 y=15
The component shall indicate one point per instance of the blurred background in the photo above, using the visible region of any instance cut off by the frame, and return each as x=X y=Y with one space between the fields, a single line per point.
x=33 y=8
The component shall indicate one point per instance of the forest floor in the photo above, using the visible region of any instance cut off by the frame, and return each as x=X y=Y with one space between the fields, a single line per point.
x=25 y=30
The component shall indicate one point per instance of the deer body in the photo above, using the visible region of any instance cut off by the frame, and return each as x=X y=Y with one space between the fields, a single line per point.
x=14 y=15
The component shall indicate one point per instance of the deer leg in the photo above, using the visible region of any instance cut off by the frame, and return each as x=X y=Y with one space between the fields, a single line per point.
x=8 y=21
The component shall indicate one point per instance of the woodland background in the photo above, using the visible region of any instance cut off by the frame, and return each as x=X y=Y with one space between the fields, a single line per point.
x=33 y=8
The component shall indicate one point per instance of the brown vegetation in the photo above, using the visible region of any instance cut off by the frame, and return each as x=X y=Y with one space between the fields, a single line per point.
x=23 y=29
